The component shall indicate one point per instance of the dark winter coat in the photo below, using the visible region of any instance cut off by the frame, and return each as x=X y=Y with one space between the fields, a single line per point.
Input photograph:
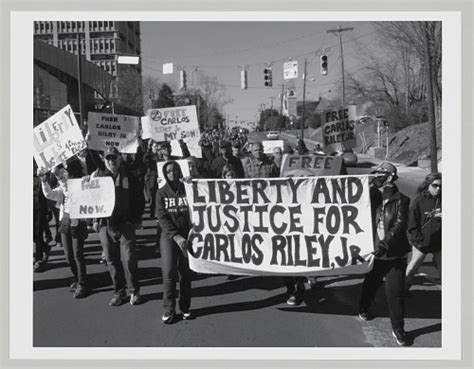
x=424 y=230
x=395 y=217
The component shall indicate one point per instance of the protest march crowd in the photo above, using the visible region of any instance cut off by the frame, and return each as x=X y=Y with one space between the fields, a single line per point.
x=186 y=201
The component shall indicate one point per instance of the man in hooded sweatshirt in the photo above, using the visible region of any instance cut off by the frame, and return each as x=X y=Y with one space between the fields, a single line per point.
x=173 y=216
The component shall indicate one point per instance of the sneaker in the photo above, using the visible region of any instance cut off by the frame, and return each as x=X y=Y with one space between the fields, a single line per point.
x=118 y=300
x=294 y=299
x=135 y=299
x=138 y=226
x=39 y=267
x=103 y=259
x=81 y=292
x=365 y=316
x=402 y=337
x=73 y=287
x=167 y=318
x=188 y=315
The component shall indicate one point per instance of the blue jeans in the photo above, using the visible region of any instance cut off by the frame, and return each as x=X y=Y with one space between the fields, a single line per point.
x=174 y=267
x=74 y=252
x=394 y=273
x=118 y=244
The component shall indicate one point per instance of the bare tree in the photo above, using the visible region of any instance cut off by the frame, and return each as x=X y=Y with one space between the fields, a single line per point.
x=151 y=88
x=214 y=95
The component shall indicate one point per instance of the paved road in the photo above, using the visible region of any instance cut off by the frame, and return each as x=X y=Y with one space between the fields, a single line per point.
x=242 y=312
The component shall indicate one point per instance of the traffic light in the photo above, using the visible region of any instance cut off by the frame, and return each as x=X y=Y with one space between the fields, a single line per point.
x=182 y=80
x=267 y=77
x=324 y=64
x=243 y=79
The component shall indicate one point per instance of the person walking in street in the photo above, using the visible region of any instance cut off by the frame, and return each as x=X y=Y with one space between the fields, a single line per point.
x=151 y=177
x=391 y=250
x=424 y=226
x=40 y=223
x=117 y=232
x=174 y=219
x=226 y=157
x=259 y=165
x=73 y=232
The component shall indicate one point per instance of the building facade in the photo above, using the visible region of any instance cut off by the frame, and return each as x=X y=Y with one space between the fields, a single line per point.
x=102 y=42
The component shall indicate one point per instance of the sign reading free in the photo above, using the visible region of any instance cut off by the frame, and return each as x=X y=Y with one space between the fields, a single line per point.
x=310 y=165
x=106 y=130
x=91 y=199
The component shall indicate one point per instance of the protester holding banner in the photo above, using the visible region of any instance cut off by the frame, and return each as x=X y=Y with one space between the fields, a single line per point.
x=226 y=157
x=391 y=249
x=259 y=165
x=117 y=232
x=277 y=157
x=301 y=148
x=424 y=225
x=173 y=217
x=73 y=231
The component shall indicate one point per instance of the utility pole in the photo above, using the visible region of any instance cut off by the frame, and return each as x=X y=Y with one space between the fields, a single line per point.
x=271 y=108
x=339 y=30
x=79 y=80
x=281 y=105
x=304 y=97
x=431 y=112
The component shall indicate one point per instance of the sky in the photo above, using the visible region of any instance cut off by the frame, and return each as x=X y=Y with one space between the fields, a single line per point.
x=222 y=49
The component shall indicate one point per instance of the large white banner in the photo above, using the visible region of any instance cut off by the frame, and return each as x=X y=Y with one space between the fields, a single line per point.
x=338 y=128
x=120 y=131
x=57 y=139
x=292 y=226
x=91 y=199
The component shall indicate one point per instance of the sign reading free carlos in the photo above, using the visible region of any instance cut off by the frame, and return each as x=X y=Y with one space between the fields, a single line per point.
x=338 y=128
x=293 y=226
x=179 y=123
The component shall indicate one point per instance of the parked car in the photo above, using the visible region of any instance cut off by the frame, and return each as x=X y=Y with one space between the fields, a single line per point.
x=273 y=135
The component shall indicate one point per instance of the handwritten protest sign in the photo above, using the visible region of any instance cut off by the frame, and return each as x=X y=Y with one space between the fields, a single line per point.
x=57 y=139
x=179 y=123
x=183 y=164
x=146 y=128
x=268 y=146
x=292 y=226
x=120 y=131
x=193 y=146
x=91 y=199
x=338 y=128
x=310 y=165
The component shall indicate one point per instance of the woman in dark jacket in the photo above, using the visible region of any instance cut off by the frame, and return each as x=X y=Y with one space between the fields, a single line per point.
x=424 y=225
x=173 y=217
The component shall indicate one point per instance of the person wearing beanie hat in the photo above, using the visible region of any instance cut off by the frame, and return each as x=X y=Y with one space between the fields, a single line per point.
x=390 y=214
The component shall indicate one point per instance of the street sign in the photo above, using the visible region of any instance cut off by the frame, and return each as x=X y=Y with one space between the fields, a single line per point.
x=290 y=70
x=168 y=68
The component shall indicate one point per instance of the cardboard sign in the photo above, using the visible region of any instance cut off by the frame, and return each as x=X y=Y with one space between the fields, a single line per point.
x=289 y=226
x=91 y=199
x=268 y=146
x=174 y=123
x=183 y=164
x=179 y=123
x=146 y=127
x=57 y=139
x=310 y=165
x=338 y=128
x=120 y=131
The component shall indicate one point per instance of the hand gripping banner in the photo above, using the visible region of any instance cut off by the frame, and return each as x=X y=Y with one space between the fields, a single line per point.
x=285 y=226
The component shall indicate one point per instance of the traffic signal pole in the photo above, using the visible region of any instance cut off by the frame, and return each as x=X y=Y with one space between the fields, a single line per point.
x=304 y=98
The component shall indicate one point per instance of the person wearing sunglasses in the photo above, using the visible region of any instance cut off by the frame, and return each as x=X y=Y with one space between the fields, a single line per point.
x=424 y=226
x=391 y=251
